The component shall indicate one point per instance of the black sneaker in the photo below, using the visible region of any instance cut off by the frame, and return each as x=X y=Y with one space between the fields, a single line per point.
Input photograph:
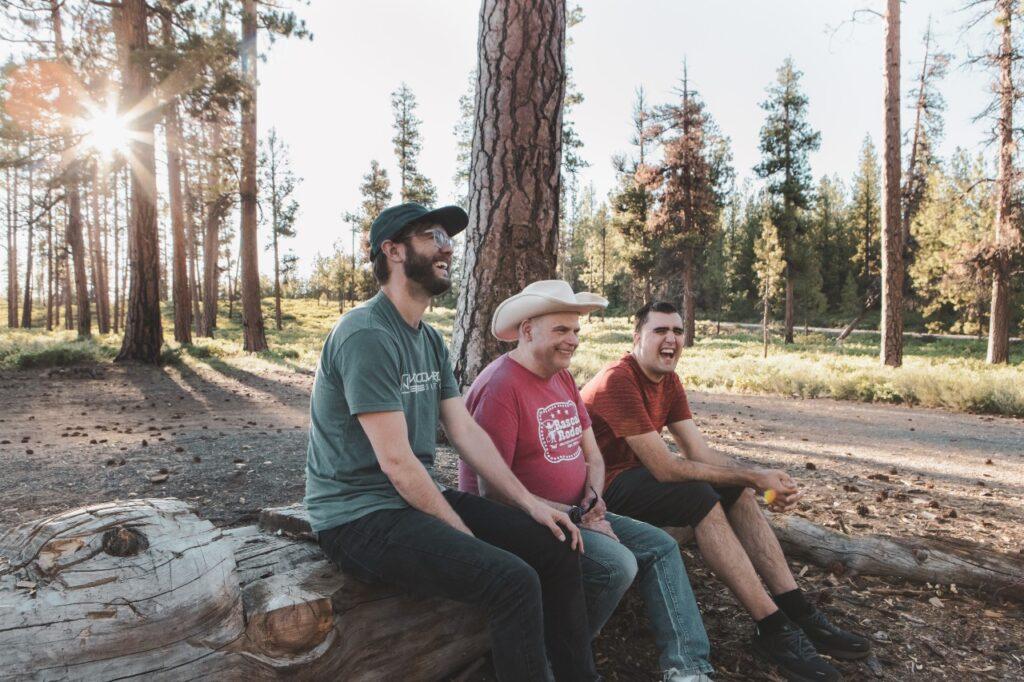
x=831 y=640
x=790 y=650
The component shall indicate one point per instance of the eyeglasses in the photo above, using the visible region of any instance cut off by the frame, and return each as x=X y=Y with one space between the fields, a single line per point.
x=441 y=238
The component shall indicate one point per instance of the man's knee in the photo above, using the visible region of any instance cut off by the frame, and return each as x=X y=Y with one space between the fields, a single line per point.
x=715 y=518
x=616 y=568
x=745 y=505
x=662 y=543
x=511 y=579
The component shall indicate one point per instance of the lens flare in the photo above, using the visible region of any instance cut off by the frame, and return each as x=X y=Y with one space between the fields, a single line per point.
x=105 y=131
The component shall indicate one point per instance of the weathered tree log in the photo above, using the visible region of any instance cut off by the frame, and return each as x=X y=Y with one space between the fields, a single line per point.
x=145 y=588
x=915 y=559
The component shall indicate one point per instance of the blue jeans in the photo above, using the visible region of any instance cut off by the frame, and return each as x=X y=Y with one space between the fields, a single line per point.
x=525 y=580
x=652 y=554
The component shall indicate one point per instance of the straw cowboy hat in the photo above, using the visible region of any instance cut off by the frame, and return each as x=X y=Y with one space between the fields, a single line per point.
x=541 y=298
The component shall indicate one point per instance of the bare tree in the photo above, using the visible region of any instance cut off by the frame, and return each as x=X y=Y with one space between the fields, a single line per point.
x=514 y=184
x=892 y=243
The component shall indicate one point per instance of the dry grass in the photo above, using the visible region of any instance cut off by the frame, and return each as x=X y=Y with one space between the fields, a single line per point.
x=949 y=374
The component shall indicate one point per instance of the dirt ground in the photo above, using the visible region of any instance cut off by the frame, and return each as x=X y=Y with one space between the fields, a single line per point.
x=232 y=441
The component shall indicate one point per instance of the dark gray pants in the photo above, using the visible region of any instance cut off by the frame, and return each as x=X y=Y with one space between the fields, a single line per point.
x=527 y=582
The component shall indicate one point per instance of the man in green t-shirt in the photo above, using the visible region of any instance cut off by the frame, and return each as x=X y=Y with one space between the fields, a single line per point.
x=382 y=384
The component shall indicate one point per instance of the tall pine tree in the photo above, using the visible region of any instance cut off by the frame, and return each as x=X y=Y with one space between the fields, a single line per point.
x=786 y=141
x=413 y=185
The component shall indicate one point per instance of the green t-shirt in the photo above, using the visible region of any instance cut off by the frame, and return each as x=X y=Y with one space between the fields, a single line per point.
x=372 y=361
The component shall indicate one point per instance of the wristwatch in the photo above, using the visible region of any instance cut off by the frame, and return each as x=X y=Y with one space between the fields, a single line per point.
x=576 y=514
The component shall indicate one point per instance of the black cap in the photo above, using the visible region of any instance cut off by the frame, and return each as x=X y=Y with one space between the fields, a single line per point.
x=392 y=219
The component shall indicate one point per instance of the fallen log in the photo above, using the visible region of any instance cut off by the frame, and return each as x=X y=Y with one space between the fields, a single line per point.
x=146 y=588
x=915 y=559
x=921 y=560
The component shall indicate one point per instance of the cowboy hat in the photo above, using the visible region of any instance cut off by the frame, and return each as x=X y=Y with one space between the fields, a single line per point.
x=541 y=298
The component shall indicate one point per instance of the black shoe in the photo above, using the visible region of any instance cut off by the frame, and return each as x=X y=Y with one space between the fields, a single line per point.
x=790 y=650
x=831 y=640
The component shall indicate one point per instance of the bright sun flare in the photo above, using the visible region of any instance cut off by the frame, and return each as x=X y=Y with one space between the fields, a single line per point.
x=105 y=131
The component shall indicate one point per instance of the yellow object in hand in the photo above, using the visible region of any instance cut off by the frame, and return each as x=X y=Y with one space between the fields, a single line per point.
x=769 y=496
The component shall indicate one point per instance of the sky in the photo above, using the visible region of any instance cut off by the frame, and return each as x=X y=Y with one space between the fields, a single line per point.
x=329 y=98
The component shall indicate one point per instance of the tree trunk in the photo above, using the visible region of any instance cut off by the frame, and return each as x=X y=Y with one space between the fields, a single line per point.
x=128 y=236
x=512 y=238
x=915 y=144
x=891 y=349
x=277 y=258
x=143 y=332
x=26 y=311
x=764 y=317
x=790 y=317
x=252 y=312
x=190 y=239
x=999 y=316
x=117 y=258
x=12 y=248
x=179 y=278
x=68 y=292
x=99 y=280
x=215 y=210
x=74 y=239
x=49 y=269
x=689 y=298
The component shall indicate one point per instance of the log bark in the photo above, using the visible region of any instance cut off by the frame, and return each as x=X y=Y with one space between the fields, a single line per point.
x=146 y=588
x=891 y=328
x=143 y=329
x=255 y=338
x=512 y=238
x=914 y=559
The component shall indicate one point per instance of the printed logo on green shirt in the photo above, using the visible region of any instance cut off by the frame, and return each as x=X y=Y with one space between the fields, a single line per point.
x=420 y=381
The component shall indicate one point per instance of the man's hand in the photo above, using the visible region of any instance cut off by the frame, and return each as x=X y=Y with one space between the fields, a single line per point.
x=597 y=512
x=785 y=503
x=773 y=479
x=785 y=488
x=556 y=521
x=601 y=526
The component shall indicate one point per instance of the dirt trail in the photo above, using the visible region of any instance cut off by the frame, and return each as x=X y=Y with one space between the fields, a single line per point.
x=232 y=441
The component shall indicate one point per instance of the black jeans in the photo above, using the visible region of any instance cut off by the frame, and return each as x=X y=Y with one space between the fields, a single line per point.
x=527 y=582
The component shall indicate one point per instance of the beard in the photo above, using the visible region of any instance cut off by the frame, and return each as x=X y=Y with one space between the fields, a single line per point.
x=420 y=269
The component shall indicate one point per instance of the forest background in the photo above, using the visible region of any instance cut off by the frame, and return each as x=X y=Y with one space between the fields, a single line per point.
x=749 y=231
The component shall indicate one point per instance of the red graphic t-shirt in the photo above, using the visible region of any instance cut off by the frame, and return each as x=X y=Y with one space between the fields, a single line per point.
x=624 y=402
x=536 y=424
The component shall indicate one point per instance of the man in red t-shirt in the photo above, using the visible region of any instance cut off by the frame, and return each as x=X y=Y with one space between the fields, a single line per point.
x=630 y=402
x=527 y=401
